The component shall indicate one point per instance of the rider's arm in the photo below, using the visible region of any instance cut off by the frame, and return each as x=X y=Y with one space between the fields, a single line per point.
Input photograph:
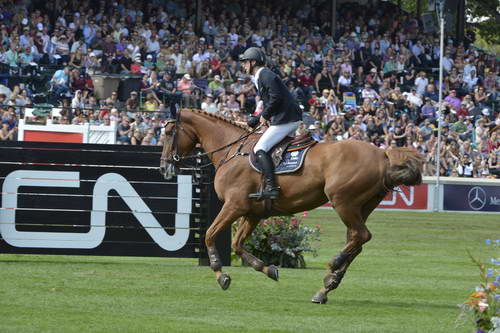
x=275 y=96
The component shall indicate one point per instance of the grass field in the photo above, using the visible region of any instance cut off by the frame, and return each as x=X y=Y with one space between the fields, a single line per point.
x=410 y=278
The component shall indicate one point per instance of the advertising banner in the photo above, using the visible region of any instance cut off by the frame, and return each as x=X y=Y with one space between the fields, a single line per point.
x=474 y=198
x=406 y=197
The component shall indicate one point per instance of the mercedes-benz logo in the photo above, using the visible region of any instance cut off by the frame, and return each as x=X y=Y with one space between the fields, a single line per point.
x=477 y=198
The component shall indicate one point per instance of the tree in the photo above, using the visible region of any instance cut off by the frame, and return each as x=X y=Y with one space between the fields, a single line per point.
x=484 y=17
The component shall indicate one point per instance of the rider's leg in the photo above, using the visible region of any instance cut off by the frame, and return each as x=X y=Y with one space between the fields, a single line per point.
x=270 y=191
x=273 y=135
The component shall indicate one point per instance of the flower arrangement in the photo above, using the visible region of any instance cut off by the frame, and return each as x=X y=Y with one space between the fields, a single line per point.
x=483 y=305
x=282 y=241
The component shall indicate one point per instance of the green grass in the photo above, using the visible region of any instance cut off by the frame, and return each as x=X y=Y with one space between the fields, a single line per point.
x=410 y=278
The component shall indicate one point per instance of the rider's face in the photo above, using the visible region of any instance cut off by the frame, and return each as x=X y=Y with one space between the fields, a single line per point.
x=247 y=67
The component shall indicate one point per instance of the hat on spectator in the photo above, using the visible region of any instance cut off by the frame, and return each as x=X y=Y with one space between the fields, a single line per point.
x=202 y=39
x=187 y=77
x=133 y=93
x=485 y=111
x=373 y=70
x=217 y=77
x=149 y=56
x=92 y=54
x=39 y=26
x=312 y=127
x=210 y=96
x=24 y=21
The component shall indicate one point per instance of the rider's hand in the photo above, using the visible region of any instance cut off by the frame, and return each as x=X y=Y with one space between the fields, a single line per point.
x=264 y=121
x=253 y=122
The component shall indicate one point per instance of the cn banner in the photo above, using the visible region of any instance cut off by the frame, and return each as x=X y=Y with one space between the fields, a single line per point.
x=471 y=198
x=406 y=197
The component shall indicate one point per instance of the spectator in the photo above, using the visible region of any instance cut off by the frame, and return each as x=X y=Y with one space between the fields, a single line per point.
x=60 y=82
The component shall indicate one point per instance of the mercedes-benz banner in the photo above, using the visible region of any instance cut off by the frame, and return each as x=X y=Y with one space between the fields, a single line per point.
x=471 y=198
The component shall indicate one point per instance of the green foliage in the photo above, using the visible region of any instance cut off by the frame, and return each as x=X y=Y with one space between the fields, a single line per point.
x=282 y=241
x=486 y=15
x=483 y=18
x=483 y=305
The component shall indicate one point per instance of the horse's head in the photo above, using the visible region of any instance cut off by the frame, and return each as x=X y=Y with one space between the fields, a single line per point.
x=179 y=141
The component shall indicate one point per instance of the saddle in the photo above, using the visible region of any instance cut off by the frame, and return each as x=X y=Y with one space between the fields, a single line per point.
x=288 y=155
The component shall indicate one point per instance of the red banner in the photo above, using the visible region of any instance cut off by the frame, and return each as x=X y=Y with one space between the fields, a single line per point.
x=47 y=136
x=404 y=197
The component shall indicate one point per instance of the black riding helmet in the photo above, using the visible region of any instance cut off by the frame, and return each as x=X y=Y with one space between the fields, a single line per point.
x=254 y=53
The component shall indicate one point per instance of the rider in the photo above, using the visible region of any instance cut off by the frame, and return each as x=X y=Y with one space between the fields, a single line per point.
x=281 y=114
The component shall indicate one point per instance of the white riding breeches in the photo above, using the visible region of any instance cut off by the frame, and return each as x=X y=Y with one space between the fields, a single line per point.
x=275 y=134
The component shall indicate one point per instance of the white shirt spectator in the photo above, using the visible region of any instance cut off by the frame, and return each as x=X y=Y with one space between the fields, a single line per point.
x=447 y=63
x=413 y=98
x=421 y=83
x=24 y=41
x=417 y=49
x=233 y=37
x=78 y=45
x=177 y=58
x=468 y=68
x=200 y=57
x=153 y=46
x=345 y=81
x=369 y=93
x=257 y=39
x=78 y=102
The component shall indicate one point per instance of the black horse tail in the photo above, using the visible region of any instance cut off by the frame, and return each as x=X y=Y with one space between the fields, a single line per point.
x=405 y=167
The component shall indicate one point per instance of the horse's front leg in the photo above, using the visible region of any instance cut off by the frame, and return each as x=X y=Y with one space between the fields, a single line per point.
x=227 y=215
x=245 y=229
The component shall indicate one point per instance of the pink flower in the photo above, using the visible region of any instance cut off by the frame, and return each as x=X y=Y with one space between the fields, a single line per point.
x=482 y=306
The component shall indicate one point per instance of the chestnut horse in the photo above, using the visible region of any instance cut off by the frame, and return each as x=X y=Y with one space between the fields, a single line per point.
x=354 y=176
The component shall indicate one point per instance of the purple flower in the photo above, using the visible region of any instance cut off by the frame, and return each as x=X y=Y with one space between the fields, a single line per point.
x=488 y=242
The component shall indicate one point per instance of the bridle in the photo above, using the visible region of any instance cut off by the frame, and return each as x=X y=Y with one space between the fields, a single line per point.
x=176 y=159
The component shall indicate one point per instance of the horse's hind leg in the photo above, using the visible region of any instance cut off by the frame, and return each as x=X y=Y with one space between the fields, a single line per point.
x=245 y=229
x=357 y=235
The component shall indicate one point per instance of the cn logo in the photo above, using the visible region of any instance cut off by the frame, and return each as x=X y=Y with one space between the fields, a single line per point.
x=95 y=236
x=408 y=198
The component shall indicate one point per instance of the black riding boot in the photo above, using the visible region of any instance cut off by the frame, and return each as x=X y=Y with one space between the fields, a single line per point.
x=270 y=191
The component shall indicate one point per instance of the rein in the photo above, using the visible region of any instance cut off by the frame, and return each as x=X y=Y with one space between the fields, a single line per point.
x=177 y=159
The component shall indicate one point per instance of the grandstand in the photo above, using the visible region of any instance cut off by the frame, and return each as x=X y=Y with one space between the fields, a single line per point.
x=357 y=72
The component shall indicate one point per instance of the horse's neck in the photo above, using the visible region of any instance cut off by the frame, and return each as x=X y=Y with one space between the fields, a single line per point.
x=214 y=134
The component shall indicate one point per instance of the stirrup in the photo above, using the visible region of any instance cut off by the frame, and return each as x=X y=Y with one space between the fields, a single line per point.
x=266 y=193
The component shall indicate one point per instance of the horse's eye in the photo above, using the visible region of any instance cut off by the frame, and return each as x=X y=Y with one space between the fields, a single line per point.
x=168 y=133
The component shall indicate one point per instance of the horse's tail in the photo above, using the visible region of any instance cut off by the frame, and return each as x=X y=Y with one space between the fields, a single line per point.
x=405 y=167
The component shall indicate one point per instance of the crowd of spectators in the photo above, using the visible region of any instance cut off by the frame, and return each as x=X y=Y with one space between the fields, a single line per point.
x=374 y=80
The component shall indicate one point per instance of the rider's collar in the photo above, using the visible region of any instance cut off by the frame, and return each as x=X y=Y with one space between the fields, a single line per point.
x=255 y=78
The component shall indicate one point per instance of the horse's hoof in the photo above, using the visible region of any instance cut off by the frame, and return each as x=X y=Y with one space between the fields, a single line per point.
x=272 y=272
x=320 y=298
x=224 y=281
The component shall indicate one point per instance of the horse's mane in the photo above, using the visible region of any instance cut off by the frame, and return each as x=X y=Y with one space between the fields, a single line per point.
x=221 y=117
